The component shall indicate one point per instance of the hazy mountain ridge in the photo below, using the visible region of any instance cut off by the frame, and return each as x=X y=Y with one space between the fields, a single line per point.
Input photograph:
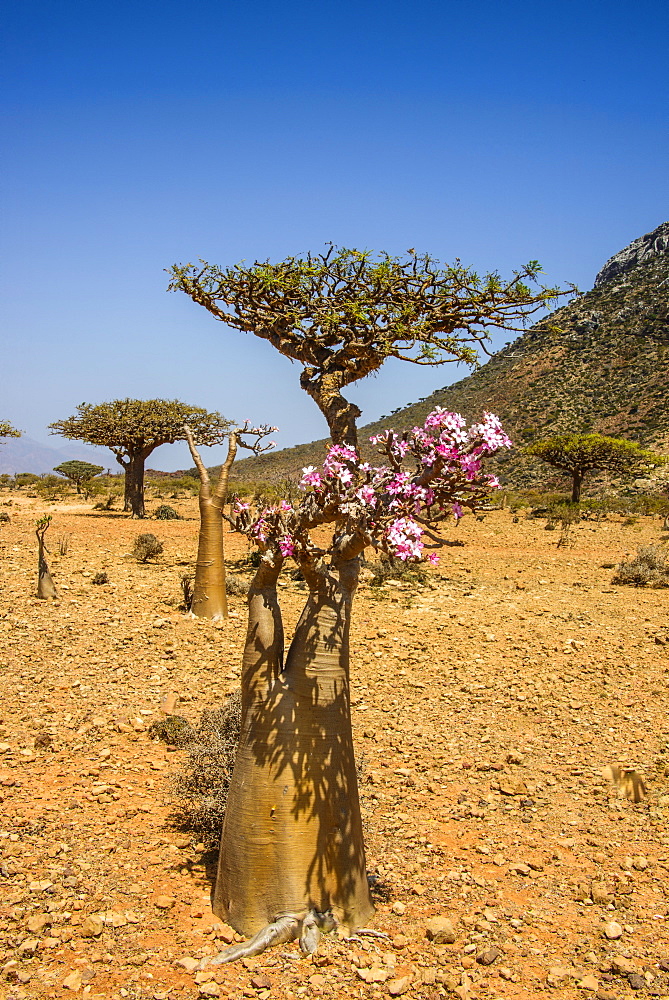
x=25 y=454
x=597 y=364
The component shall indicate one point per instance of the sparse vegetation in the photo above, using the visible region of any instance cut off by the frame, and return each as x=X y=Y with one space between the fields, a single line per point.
x=100 y=578
x=578 y=454
x=166 y=513
x=201 y=788
x=79 y=473
x=147 y=547
x=649 y=568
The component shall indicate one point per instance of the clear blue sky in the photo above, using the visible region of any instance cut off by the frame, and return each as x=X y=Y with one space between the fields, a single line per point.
x=138 y=134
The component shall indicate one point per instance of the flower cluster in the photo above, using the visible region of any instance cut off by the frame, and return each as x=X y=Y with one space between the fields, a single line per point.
x=431 y=472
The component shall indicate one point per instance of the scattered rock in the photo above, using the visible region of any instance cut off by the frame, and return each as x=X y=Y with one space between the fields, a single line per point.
x=589 y=983
x=613 y=930
x=92 y=926
x=164 y=902
x=636 y=981
x=396 y=987
x=440 y=930
x=73 y=981
x=488 y=956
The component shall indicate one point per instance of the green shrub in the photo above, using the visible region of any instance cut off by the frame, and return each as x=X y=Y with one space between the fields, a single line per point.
x=166 y=513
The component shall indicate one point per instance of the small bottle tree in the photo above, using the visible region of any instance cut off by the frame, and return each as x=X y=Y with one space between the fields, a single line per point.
x=46 y=588
x=79 y=473
x=209 y=598
x=576 y=455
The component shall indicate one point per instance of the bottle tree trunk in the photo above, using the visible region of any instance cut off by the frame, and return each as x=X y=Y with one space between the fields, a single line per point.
x=134 y=484
x=209 y=597
x=577 y=481
x=46 y=589
x=292 y=836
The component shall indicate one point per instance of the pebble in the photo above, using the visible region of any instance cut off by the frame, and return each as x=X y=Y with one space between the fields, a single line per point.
x=621 y=965
x=636 y=981
x=396 y=987
x=92 y=926
x=187 y=963
x=613 y=930
x=73 y=981
x=399 y=909
x=164 y=902
x=261 y=982
x=440 y=930
x=589 y=983
x=211 y=989
x=488 y=956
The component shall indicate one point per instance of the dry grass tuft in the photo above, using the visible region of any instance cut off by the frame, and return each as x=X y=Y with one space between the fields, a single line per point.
x=201 y=787
x=649 y=568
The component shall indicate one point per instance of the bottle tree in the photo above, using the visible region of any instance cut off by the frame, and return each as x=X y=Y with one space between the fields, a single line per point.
x=576 y=455
x=133 y=428
x=292 y=852
x=209 y=596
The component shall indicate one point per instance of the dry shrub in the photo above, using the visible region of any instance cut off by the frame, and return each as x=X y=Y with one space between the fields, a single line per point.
x=187 y=580
x=100 y=578
x=235 y=585
x=146 y=547
x=389 y=568
x=201 y=787
x=649 y=568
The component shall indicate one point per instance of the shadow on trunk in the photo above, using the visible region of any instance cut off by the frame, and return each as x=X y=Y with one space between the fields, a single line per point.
x=292 y=838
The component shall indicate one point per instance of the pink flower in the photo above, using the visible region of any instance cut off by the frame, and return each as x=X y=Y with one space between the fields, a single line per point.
x=310 y=477
x=287 y=546
x=432 y=557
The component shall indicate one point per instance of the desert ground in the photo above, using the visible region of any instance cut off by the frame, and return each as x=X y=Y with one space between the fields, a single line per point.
x=485 y=707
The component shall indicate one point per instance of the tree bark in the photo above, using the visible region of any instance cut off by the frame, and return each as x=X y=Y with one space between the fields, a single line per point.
x=340 y=414
x=134 y=484
x=46 y=589
x=209 y=596
x=292 y=836
x=577 y=480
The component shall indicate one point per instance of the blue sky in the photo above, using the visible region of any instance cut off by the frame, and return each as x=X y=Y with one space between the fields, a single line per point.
x=140 y=134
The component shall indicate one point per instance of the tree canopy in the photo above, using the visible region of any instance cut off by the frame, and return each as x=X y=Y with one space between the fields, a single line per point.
x=78 y=472
x=6 y=430
x=129 y=426
x=133 y=428
x=342 y=313
x=578 y=454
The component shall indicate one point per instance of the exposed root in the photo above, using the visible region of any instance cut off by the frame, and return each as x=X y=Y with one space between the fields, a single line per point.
x=366 y=932
x=289 y=928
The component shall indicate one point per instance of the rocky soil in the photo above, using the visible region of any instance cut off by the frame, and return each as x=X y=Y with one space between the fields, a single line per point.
x=486 y=704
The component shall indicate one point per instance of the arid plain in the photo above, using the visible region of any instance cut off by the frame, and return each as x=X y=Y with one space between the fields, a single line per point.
x=486 y=705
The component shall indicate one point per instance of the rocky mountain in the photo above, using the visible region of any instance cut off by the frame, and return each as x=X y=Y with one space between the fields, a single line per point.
x=598 y=363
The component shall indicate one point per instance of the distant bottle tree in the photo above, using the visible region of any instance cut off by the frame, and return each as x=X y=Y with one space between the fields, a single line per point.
x=79 y=473
x=578 y=454
x=133 y=428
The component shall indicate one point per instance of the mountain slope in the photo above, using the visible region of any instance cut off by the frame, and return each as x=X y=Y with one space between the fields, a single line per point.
x=598 y=363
